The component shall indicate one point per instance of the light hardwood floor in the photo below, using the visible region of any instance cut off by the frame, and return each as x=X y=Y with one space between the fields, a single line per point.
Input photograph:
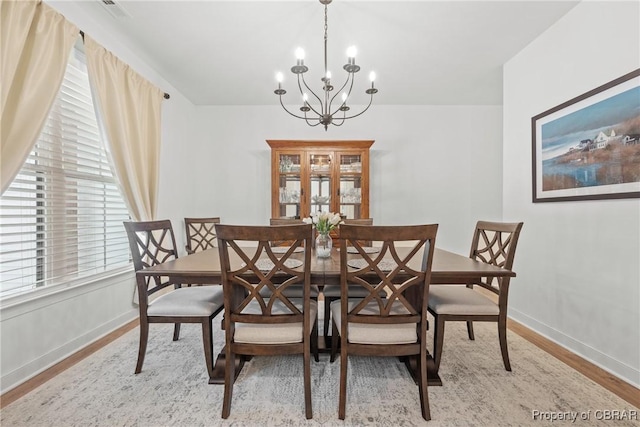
x=615 y=385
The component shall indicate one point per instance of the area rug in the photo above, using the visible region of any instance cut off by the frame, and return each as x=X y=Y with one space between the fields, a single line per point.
x=172 y=389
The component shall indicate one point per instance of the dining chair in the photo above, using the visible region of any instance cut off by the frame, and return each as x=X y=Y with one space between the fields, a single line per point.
x=152 y=243
x=201 y=233
x=261 y=323
x=331 y=293
x=391 y=319
x=493 y=243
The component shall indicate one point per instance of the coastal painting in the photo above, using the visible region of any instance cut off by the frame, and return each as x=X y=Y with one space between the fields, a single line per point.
x=588 y=148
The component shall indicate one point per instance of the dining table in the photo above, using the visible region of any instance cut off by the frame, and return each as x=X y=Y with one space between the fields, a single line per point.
x=204 y=268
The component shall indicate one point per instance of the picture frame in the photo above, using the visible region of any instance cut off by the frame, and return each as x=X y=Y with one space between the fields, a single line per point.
x=588 y=148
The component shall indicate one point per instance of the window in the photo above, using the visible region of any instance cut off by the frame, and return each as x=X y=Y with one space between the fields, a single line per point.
x=61 y=218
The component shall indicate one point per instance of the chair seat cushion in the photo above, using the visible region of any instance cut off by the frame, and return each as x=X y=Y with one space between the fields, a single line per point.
x=273 y=333
x=368 y=333
x=448 y=299
x=196 y=301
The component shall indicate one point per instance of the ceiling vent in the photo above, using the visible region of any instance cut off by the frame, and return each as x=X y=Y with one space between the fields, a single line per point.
x=115 y=9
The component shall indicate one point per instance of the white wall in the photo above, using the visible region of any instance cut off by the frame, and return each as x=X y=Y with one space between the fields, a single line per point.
x=37 y=332
x=578 y=263
x=429 y=164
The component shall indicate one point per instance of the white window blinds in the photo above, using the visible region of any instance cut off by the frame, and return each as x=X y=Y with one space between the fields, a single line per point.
x=61 y=218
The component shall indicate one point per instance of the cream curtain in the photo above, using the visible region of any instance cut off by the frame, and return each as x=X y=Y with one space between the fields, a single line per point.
x=130 y=110
x=35 y=43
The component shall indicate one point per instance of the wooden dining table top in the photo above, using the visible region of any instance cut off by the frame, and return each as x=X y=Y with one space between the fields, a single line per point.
x=204 y=267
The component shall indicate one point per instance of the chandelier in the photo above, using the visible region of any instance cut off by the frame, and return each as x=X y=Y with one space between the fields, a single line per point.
x=322 y=112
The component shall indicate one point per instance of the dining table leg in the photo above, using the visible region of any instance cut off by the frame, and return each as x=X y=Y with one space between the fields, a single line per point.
x=220 y=366
x=411 y=362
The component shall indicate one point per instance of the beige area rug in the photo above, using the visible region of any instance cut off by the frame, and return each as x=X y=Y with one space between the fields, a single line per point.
x=172 y=389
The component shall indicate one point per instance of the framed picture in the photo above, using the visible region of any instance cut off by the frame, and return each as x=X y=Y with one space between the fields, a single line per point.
x=588 y=148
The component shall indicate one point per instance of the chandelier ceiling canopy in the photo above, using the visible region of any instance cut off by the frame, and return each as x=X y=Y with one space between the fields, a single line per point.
x=323 y=110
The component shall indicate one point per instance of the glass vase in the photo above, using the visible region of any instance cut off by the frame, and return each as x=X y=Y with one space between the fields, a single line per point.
x=323 y=245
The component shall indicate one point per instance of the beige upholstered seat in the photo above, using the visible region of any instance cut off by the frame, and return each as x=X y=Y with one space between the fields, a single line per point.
x=152 y=243
x=367 y=333
x=390 y=320
x=493 y=243
x=187 y=302
x=461 y=300
x=261 y=318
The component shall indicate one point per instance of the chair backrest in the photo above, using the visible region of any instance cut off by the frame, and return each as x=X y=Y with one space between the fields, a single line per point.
x=201 y=233
x=284 y=221
x=495 y=243
x=403 y=272
x=253 y=274
x=358 y=221
x=151 y=243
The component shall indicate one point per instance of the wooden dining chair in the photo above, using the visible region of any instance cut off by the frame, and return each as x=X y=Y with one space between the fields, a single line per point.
x=152 y=243
x=391 y=319
x=331 y=293
x=493 y=243
x=201 y=233
x=260 y=317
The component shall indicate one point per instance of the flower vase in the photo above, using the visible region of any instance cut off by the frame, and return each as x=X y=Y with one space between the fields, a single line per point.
x=323 y=245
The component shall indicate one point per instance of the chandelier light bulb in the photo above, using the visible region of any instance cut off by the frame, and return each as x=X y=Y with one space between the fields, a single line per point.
x=305 y=97
x=372 y=76
x=300 y=53
x=344 y=97
x=352 y=52
x=328 y=76
x=279 y=77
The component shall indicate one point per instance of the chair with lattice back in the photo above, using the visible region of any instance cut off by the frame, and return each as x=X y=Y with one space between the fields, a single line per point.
x=493 y=243
x=152 y=243
x=201 y=233
x=390 y=320
x=260 y=317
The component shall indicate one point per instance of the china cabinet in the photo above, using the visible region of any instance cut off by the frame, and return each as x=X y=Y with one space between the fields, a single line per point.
x=319 y=176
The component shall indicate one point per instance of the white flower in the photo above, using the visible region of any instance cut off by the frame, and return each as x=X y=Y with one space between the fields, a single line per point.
x=324 y=222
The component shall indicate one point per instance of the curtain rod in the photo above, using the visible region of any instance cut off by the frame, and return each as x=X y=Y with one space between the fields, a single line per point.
x=166 y=95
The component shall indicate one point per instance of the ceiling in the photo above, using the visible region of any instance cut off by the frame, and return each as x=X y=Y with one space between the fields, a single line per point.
x=423 y=52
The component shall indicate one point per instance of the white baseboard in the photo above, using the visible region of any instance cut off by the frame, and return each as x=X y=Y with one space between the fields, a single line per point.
x=627 y=373
x=10 y=380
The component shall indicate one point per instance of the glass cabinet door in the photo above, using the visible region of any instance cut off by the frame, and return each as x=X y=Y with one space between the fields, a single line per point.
x=320 y=179
x=350 y=190
x=289 y=185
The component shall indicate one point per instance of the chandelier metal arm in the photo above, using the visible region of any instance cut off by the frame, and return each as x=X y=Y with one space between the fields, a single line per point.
x=294 y=115
x=301 y=77
x=362 y=112
x=352 y=78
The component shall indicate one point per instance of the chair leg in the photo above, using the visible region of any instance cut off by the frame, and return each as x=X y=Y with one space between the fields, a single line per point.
x=176 y=331
x=207 y=341
x=327 y=318
x=314 y=340
x=307 y=382
x=335 y=336
x=144 y=335
x=342 y=403
x=229 y=372
x=422 y=386
x=502 y=335
x=438 y=341
x=470 y=330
